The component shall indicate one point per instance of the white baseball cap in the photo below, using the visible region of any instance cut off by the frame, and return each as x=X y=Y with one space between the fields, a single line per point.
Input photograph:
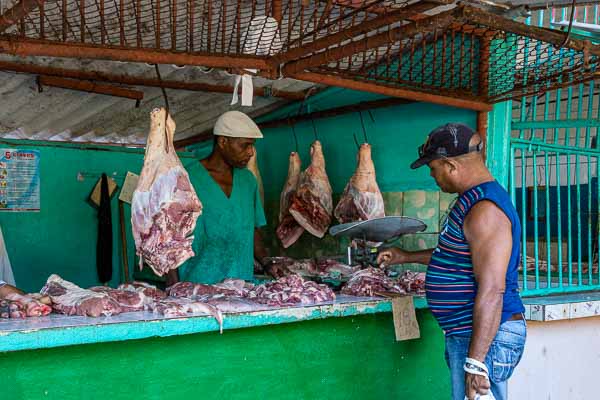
x=236 y=124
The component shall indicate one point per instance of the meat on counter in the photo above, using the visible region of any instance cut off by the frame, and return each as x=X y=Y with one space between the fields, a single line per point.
x=164 y=207
x=291 y=290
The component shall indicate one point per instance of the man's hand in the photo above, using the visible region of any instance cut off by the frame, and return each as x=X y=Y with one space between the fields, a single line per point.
x=392 y=256
x=275 y=270
x=476 y=384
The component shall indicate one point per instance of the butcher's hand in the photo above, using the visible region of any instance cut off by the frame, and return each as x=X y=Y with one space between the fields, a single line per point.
x=276 y=271
x=476 y=384
x=392 y=256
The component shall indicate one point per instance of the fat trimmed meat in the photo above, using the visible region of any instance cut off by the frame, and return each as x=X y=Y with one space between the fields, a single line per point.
x=312 y=205
x=288 y=230
x=362 y=199
x=164 y=207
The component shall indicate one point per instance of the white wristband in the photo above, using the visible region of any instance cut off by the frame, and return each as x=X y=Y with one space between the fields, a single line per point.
x=475 y=367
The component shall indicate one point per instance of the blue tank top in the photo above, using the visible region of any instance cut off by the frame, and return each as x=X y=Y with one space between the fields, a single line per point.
x=450 y=284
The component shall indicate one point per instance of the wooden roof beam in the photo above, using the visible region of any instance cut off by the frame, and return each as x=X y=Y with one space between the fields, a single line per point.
x=139 y=81
x=17 y=12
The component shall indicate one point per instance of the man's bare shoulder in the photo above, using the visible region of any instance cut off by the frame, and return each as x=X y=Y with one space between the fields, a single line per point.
x=486 y=217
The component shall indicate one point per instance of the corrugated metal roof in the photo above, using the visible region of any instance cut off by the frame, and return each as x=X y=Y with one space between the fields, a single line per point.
x=68 y=115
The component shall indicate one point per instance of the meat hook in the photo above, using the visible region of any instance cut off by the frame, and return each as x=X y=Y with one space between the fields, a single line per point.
x=164 y=92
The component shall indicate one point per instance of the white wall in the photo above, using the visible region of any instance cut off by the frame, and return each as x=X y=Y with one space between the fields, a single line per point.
x=561 y=361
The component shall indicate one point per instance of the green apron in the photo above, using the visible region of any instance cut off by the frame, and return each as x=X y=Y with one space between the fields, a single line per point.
x=224 y=235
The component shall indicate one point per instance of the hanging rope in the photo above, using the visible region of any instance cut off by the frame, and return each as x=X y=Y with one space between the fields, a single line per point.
x=356 y=141
x=312 y=121
x=570 y=25
x=164 y=92
x=294 y=134
x=362 y=123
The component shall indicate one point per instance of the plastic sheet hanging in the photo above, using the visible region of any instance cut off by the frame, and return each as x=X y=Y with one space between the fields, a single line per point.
x=262 y=39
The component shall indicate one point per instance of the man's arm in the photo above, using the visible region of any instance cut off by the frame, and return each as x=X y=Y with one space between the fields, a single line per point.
x=395 y=255
x=488 y=232
x=7 y=289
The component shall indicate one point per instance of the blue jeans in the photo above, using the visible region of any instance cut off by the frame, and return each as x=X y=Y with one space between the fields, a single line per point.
x=503 y=356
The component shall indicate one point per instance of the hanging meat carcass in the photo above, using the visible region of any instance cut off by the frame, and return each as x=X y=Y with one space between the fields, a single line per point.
x=253 y=167
x=312 y=205
x=362 y=198
x=165 y=207
x=289 y=231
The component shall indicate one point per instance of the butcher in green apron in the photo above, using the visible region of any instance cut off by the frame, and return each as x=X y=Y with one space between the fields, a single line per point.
x=227 y=240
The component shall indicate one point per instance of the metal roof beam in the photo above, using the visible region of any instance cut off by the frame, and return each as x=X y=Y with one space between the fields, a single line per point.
x=90 y=87
x=140 y=81
x=27 y=47
x=392 y=91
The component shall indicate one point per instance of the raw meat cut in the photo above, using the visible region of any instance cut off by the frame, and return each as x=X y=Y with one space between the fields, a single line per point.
x=232 y=305
x=12 y=309
x=164 y=207
x=362 y=198
x=229 y=287
x=178 y=307
x=413 y=282
x=253 y=167
x=289 y=231
x=31 y=306
x=150 y=291
x=321 y=267
x=128 y=300
x=312 y=205
x=70 y=299
x=367 y=282
x=291 y=290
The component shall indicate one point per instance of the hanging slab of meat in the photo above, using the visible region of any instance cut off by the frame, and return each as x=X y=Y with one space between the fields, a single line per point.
x=164 y=207
x=150 y=291
x=291 y=290
x=253 y=167
x=70 y=299
x=367 y=282
x=362 y=199
x=312 y=205
x=31 y=306
x=129 y=301
x=289 y=231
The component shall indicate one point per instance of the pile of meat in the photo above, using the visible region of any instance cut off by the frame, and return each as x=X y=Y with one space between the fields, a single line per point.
x=21 y=306
x=320 y=267
x=371 y=281
x=291 y=290
x=229 y=287
x=164 y=207
x=362 y=199
x=289 y=231
x=312 y=203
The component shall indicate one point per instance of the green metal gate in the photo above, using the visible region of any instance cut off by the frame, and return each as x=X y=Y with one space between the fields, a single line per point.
x=553 y=180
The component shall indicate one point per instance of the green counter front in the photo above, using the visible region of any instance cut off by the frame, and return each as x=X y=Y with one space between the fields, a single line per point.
x=344 y=350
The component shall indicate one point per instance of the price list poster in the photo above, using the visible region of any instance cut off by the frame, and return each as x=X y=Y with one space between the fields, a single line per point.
x=19 y=180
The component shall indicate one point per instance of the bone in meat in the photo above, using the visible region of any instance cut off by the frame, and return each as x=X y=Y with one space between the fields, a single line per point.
x=367 y=282
x=362 y=199
x=129 y=301
x=291 y=290
x=70 y=299
x=289 y=231
x=31 y=306
x=312 y=205
x=164 y=207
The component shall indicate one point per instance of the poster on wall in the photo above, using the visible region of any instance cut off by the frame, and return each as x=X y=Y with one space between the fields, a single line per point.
x=19 y=180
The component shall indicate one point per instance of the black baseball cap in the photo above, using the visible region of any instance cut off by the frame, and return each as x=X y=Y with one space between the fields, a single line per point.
x=450 y=140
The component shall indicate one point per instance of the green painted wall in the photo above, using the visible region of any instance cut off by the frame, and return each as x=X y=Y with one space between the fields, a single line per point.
x=334 y=358
x=61 y=238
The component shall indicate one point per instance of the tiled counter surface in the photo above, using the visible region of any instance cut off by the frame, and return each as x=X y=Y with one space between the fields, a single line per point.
x=562 y=307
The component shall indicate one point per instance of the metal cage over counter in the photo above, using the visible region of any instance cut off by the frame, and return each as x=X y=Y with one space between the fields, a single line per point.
x=400 y=48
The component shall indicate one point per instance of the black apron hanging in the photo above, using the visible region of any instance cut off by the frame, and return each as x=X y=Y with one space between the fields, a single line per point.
x=105 y=239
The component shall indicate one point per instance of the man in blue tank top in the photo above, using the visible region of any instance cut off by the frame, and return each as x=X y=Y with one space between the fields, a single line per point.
x=472 y=274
